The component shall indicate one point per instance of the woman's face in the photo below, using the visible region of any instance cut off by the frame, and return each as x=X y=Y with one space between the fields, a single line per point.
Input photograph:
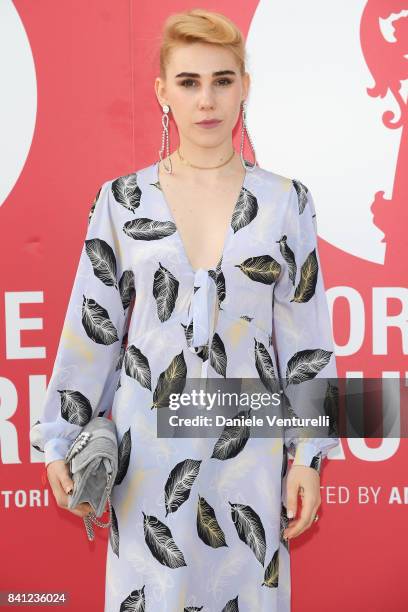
x=194 y=92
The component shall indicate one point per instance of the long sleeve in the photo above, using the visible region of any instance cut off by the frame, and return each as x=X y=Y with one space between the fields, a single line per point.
x=87 y=364
x=302 y=331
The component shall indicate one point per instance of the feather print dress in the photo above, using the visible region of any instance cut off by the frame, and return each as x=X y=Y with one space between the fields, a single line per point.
x=197 y=522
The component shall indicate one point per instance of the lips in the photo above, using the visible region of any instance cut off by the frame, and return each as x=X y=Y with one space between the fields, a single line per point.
x=209 y=122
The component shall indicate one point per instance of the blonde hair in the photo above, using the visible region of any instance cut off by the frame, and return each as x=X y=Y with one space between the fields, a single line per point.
x=200 y=25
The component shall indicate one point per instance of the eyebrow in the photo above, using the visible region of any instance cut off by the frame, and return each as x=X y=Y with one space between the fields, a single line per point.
x=196 y=74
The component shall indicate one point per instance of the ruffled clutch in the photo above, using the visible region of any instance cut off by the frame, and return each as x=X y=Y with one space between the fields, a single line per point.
x=92 y=460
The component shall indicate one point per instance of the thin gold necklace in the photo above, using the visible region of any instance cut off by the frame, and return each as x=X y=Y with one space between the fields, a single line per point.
x=187 y=163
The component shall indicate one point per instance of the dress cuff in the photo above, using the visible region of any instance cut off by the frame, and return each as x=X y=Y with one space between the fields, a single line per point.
x=308 y=454
x=56 y=448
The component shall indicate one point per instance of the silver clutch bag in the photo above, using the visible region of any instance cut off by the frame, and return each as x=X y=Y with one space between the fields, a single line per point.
x=92 y=460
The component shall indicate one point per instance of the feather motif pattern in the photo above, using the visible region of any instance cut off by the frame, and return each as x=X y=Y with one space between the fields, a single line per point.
x=179 y=482
x=218 y=355
x=250 y=529
x=103 y=261
x=137 y=366
x=127 y=288
x=301 y=191
x=262 y=269
x=134 y=602
x=92 y=209
x=97 y=324
x=165 y=292
x=124 y=450
x=160 y=541
x=208 y=527
x=264 y=366
x=271 y=577
x=171 y=380
x=232 y=440
x=245 y=210
x=148 y=229
x=127 y=192
x=308 y=279
x=231 y=605
x=306 y=364
x=289 y=257
x=114 y=533
x=75 y=407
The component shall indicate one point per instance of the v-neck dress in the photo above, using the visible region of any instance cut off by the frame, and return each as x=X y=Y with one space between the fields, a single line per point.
x=197 y=522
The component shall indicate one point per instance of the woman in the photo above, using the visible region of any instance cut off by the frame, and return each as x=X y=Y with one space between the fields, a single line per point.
x=221 y=259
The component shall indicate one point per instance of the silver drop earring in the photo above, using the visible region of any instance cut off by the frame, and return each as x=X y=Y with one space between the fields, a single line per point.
x=165 y=135
x=243 y=129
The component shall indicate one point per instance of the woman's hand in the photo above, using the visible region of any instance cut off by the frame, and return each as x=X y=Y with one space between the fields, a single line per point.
x=303 y=481
x=62 y=485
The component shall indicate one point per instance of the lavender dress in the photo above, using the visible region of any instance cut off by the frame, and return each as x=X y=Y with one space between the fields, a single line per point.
x=198 y=522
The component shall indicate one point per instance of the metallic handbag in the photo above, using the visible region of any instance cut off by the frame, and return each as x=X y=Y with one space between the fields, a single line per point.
x=92 y=459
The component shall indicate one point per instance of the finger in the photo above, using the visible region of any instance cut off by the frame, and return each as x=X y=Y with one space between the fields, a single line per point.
x=57 y=471
x=303 y=527
x=291 y=499
x=58 y=491
x=80 y=513
x=60 y=483
x=81 y=509
x=66 y=483
x=305 y=520
x=84 y=506
x=60 y=497
x=297 y=528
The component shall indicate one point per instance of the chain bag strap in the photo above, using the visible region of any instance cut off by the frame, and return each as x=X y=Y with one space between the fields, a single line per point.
x=91 y=518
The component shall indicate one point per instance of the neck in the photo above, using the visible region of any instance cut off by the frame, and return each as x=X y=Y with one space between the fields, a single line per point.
x=205 y=157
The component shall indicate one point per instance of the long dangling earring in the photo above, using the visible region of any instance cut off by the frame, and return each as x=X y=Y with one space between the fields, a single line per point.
x=243 y=129
x=165 y=135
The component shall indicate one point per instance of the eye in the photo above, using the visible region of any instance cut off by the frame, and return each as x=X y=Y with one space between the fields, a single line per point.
x=187 y=82
x=184 y=83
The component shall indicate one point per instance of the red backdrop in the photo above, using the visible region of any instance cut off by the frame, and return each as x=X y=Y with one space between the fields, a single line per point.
x=97 y=118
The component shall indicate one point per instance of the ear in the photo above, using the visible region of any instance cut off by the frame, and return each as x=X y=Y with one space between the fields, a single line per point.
x=160 y=89
x=246 y=81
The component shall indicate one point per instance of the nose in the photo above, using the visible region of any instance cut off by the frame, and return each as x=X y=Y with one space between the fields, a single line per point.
x=206 y=99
